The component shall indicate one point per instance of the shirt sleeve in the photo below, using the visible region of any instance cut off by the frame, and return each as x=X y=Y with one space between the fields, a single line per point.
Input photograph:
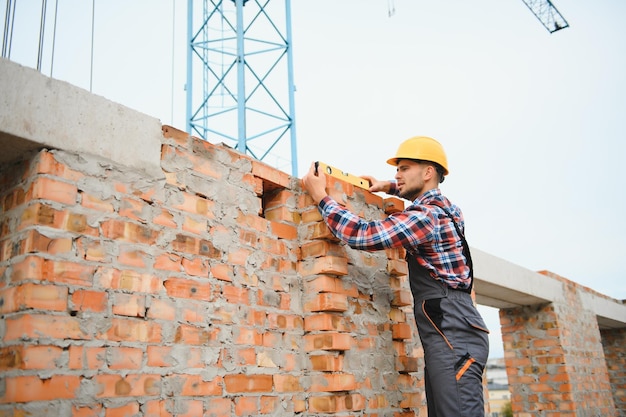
x=406 y=228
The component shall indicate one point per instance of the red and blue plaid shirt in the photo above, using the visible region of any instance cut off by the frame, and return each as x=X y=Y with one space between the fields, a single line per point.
x=423 y=229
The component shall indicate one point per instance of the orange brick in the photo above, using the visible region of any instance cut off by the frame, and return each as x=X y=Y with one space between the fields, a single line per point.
x=36 y=326
x=270 y=174
x=222 y=272
x=21 y=389
x=92 y=202
x=195 y=385
x=119 y=357
x=87 y=357
x=196 y=266
x=129 y=232
x=324 y=265
x=336 y=403
x=186 y=288
x=327 y=363
x=327 y=302
x=248 y=383
x=126 y=410
x=326 y=321
x=402 y=298
x=158 y=408
x=269 y=404
x=33 y=296
x=220 y=407
x=327 y=341
x=68 y=272
x=326 y=283
x=133 y=385
x=287 y=383
x=401 y=331
x=87 y=300
x=162 y=308
x=49 y=189
x=246 y=406
x=133 y=330
x=132 y=305
x=128 y=280
x=192 y=335
x=332 y=382
x=41 y=357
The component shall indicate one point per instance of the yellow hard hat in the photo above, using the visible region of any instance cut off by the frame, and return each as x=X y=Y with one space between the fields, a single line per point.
x=422 y=148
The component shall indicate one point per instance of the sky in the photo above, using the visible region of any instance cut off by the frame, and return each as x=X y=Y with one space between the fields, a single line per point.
x=533 y=123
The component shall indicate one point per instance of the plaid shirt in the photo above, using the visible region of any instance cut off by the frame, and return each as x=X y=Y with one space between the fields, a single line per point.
x=423 y=229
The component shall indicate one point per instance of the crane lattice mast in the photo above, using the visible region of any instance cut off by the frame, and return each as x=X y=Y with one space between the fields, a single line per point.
x=547 y=14
x=243 y=58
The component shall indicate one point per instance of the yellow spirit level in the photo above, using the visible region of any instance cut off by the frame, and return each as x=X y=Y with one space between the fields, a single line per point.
x=337 y=173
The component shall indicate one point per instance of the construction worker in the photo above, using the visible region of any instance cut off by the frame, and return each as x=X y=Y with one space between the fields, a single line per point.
x=452 y=332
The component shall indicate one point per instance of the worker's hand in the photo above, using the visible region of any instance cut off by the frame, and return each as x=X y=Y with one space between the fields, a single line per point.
x=376 y=185
x=315 y=185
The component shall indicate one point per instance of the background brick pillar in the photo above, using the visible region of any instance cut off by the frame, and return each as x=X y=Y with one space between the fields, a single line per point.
x=554 y=359
x=614 y=342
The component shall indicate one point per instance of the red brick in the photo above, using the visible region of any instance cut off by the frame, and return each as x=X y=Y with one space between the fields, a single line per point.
x=401 y=331
x=36 y=326
x=41 y=357
x=158 y=408
x=87 y=300
x=87 y=357
x=21 y=389
x=248 y=383
x=128 y=280
x=120 y=357
x=132 y=330
x=332 y=382
x=128 y=232
x=327 y=302
x=186 y=288
x=246 y=406
x=287 y=383
x=133 y=305
x=192 y=335
x=162 y=308
x=68 y=272
x=327 y=363
x=127 y=410
x=220 y=407
x=327 y=341
x=33 y=296
x=133 y=385
x=324 y=265
x=326 y=321
x=49 y=189
x=196 y=266
x=336 y=403
x=195 y=385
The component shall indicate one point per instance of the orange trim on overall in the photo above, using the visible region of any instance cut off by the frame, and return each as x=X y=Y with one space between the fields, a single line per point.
x=465 y=367
x=435 y=326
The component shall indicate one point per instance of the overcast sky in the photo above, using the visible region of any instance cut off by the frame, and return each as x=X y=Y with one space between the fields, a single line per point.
x=533 y=122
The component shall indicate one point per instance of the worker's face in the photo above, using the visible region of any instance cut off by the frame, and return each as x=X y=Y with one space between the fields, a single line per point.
x=411 y=178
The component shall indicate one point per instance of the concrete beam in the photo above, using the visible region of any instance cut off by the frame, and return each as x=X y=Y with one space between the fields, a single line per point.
x=40 y=112
x=502 y=284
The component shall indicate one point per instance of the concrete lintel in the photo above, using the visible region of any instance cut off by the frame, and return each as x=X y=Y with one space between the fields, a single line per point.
x=610 y=313
x=502 y=284
x=37 y=112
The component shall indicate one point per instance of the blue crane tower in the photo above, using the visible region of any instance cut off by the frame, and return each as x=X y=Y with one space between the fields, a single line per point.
x=241 y=57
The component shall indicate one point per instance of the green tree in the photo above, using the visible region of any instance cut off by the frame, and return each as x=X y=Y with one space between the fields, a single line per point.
x=507 y=410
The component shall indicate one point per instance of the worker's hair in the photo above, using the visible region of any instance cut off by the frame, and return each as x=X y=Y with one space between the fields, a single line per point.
x=438 y=168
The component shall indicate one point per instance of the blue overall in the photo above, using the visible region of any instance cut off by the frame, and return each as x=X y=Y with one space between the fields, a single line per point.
x=455 y=342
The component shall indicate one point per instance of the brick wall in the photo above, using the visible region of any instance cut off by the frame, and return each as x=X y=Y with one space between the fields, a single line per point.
x=614 y=341
x=555 y=360
x=215 y=292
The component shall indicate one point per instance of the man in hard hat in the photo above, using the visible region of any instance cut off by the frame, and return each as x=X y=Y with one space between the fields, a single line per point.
x=452 y=332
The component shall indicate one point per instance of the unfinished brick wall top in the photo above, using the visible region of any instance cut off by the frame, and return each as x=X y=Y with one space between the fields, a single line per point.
x=214 y=292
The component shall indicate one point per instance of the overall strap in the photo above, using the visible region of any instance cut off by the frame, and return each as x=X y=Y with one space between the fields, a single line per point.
x=466 y=249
